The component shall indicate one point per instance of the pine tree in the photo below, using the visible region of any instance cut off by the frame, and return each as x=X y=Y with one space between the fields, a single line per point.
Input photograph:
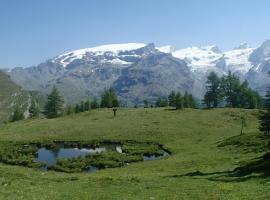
x=192 y=101
x=17 y=115
x=171 y=99
x=115 y=102
x=244 y=95
x=265 y=116
x=94 y=104
x=179 y=102
x=77 y=108
x=231 y=86
x=145 y=102
x=164 y=103
x=33 y=109
x=237 y=94
x=54 y=105
x=82 y=106
x=109 y=99
x=158 y=102
x=254 y=100
x=161 y=102
x=186 y=100
x=212 y=96
x=69 y=110
x=87 y=105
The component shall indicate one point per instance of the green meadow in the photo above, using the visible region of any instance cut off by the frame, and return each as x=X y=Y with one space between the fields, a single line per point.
x=205 y=145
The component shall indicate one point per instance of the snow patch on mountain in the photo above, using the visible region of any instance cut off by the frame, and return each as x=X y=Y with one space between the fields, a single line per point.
x=198 y=57
x=114 y=49
x=208 y=58
x=202 y=59
x=117 y=61
x=238 y=59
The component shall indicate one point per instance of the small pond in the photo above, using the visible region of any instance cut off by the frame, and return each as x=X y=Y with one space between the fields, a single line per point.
x=81 y=156
x=50 y=157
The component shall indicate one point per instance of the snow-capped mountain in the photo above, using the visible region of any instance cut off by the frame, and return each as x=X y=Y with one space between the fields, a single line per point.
x=114 y=53
x=208 y=58
x=138 y=71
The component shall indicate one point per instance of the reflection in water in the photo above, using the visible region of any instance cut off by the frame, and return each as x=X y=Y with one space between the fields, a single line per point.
x=50 y=157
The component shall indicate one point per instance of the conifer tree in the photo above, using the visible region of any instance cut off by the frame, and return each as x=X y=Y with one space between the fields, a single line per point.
x=77 y=108
x=192 y=101
x=69 y=110
x=115 y=102
x=187 y=103
x=94 y=103
x=109 y=99
x=54 y=105
x=179 y=103
x=87 y=105
x=171 y=99
x=145 y=102
x=230 y=88
x=82 y=106
x=230 y=85
x=212 y=95
x=254 y=100
x=161 y=102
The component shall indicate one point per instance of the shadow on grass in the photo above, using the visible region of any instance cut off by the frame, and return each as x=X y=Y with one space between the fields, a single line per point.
x=260 y=168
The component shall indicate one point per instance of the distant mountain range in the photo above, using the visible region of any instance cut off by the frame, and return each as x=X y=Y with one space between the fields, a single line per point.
x=143 y=71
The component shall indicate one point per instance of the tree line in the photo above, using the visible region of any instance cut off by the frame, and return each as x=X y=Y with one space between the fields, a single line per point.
x=55 y=106
x=229 y=91
x=176 y=100
x=109 y=99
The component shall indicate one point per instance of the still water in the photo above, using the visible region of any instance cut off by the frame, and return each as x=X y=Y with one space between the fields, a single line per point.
x=50 y=157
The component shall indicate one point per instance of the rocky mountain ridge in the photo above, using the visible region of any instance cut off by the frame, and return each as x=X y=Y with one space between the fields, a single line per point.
x=138 y=71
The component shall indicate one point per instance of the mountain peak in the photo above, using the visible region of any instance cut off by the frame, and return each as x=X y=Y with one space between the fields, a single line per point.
x=243 y=45
x=265 y=45
x=166 y=49
x=117 y=47
x=212 y=48
x=67 y=58
x=261 y=53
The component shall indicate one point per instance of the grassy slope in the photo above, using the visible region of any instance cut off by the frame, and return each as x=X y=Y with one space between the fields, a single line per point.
x=10 y=94
x=191 y=135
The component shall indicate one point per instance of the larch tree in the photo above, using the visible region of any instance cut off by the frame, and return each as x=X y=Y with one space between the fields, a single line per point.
x=54 y=105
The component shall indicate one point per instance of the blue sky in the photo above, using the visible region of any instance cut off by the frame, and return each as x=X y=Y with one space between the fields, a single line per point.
x=32 y=31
